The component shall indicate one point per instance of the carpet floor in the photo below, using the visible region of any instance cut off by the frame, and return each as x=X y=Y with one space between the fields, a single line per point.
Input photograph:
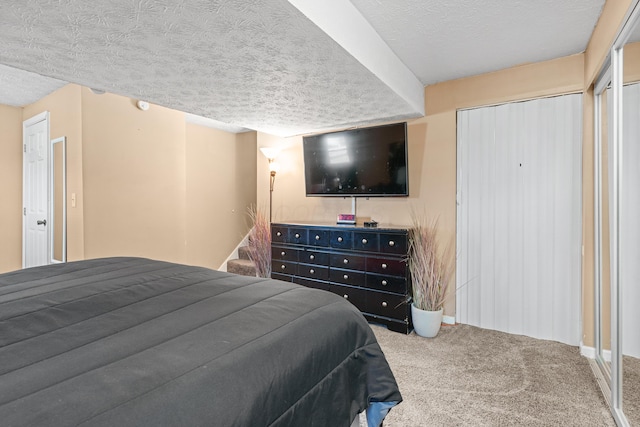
x=631 y=389
x=468 y=376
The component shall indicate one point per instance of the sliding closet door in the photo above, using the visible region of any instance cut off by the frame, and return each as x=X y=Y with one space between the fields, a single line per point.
x=519 y=218
x=629 y=224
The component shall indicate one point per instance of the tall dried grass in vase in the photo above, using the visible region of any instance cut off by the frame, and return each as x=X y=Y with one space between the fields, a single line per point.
x=260 y=242
x=431 y=266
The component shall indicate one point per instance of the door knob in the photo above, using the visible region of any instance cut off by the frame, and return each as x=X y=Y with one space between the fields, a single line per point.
x=42 y=222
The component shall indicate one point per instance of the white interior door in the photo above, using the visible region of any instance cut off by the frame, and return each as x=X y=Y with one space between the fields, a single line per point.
x=35 y=241
x=519 y=218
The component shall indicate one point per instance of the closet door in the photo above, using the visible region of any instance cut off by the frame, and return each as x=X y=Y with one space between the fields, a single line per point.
x=629 y=224
x=519 y=218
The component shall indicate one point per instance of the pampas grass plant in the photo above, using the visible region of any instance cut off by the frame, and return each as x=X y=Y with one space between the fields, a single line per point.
x=260 y=242
x=431 y=266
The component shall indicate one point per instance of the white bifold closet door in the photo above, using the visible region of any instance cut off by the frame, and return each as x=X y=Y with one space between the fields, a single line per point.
x=630 y=222
x=519 y=218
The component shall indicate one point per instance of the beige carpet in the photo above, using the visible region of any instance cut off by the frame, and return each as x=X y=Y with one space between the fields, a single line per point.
x=631 y=389
x=468 y=376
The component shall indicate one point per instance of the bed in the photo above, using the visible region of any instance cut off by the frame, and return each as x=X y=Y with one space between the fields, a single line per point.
x=138 y=342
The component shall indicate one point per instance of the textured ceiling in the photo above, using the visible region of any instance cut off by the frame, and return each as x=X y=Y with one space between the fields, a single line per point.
x=263 y=64
x=259 y=64
x=443 y=40
x=18 y=88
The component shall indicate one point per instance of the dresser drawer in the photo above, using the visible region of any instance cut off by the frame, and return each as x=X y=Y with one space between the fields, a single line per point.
x=387 y=266
x=341 y=239
x=283 y=267
x=314 y=257
x=355 y=296
x=348 y=277
x=313 y=271
x=387 y=305
x=387 y=283
x=279 y=234
x=393 y=243
x=284 y=253
x=297 y=236
x=365 y=242
x=319 y=238
x=348 y=261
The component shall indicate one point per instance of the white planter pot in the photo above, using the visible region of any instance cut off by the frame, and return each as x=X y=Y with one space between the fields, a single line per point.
x=426 y=323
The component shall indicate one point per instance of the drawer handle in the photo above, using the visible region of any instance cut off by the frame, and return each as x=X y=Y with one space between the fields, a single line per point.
x=312 y=271
x=384 y=303
x=283 y=267
x=317 y=237
x=346 y=296
x=364 y=241
x=297 y=235
x=384 y=266
x=340 y=239
x=384 y=283
x=278 y=234
x=345 y=277
x=283 y=253
x=312 y=257
x=392 y=243
x=346 y=261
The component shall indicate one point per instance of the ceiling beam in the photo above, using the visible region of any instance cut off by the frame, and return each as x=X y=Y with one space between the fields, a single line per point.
x=341 y=21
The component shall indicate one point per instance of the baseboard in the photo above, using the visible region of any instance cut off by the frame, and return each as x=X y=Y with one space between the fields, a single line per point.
x=590 y=353
x=449 y=320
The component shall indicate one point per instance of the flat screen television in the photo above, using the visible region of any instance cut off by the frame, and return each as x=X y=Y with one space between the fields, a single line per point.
x=364 y=162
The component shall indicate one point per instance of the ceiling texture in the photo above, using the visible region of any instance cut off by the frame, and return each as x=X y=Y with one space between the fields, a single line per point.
x=277 y=66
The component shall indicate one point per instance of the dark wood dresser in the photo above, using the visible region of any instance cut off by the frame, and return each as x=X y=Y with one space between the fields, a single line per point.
x=367 y=266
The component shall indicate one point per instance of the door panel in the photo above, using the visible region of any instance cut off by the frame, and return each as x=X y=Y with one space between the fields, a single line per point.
x=36 y=178
x=519 y=218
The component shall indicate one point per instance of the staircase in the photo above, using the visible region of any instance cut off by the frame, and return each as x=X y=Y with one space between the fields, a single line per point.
x=243 y=265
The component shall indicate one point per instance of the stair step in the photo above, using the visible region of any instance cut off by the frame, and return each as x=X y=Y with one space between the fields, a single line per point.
x=243 y=267
x=243 y=252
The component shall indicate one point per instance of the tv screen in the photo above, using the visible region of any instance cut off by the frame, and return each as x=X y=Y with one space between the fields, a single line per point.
x=358 y=162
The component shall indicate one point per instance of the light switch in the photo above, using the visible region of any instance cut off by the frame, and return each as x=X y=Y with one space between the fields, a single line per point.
x=73 y=200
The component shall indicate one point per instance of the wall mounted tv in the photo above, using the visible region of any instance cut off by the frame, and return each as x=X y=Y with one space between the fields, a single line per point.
x=364 y=162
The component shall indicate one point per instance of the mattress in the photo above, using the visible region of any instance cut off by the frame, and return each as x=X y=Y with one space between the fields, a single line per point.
x=138 y=342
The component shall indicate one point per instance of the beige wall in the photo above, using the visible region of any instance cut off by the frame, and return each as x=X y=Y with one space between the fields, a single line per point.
x=65 y=119
x=134 y=179
x=562 y=75
x=430 y=157
x=145 y=183
x=220 y=188
x=609 y=23
x=10 y=188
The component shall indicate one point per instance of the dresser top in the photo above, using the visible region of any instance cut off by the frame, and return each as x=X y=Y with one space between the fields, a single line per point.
x=357 y=227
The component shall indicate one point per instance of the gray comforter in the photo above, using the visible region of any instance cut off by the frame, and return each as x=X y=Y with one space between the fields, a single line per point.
x=137 y=342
